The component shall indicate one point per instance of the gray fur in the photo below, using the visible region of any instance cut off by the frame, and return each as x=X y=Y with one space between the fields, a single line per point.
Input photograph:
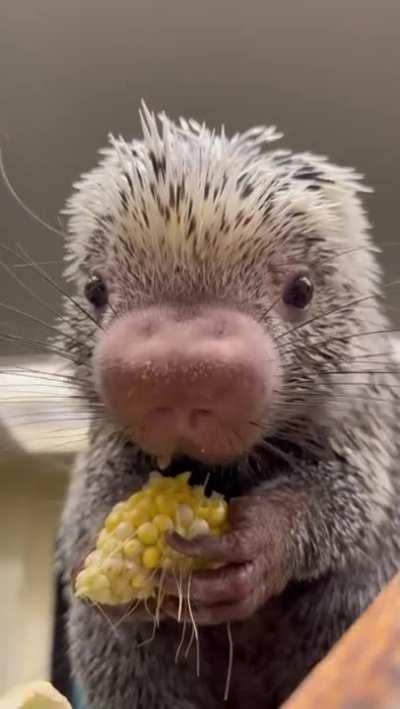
x=242 y=220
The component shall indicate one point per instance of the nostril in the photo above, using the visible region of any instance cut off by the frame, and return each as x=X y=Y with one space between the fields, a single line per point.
x=220 y=328
x=199 y=416
x=147 y=328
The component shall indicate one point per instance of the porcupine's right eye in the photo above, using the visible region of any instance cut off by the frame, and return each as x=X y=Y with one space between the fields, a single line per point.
x=298 y=292
x=96 y=291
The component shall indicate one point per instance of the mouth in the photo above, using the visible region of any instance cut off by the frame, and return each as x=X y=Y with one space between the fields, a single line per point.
x=230 y=477
x=207 y=458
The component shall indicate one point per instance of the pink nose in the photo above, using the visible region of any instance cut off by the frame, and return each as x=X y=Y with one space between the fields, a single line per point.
x=184 y=382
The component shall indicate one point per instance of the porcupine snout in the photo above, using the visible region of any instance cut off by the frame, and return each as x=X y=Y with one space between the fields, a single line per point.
x=188 y=382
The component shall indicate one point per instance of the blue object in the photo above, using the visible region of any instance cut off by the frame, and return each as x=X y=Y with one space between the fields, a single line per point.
x=77 y=697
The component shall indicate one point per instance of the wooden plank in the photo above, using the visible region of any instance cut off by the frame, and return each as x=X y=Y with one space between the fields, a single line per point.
x=363 y=669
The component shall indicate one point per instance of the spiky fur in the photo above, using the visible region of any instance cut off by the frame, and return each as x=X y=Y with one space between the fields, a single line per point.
x=187 y=215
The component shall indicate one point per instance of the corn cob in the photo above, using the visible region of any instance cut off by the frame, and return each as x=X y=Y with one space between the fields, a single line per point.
x=132 y=545
x=34 y=695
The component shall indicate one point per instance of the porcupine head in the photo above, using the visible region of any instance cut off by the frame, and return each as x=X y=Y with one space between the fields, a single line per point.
x=203 y=262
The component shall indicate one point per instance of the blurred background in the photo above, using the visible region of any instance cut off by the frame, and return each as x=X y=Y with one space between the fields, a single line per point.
x=326 y=73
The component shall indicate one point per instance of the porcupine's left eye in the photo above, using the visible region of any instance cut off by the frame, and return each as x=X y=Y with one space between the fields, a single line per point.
x=298 y=292
x=96 y=291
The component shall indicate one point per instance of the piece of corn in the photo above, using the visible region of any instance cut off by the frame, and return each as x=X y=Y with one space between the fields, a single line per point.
x=35 y=695
x=132 y=545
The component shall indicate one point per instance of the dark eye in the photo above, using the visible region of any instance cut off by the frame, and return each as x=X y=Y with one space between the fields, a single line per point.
x=298 y=292
x=96 y=292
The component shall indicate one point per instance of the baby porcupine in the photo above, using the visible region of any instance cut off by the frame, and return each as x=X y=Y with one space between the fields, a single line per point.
x=234 y=327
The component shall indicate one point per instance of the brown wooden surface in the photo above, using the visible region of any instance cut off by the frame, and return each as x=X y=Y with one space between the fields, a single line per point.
x=363 y=670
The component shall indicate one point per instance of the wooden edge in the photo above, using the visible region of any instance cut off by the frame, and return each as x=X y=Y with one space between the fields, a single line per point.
x=363 y=669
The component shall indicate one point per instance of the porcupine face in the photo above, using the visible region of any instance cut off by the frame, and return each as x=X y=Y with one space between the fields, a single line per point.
x=224 y=279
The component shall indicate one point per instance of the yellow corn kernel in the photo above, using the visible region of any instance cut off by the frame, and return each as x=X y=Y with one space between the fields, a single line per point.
x=124 y=530
x=110 y=545
x=151 y=557
x=199 y=526
x=203 y=511
x=139 y=580
x=134 y=499
x=112 y=521
x=197 y=492
x=181 y=480
x=100 y=581
x=165 y=504
x=184 y=515
x=119 y=508
x=93 y=559
x=147 y=533
x=163 y=522
x=132 y=548
x=103 y=596
x=216 y=513
x=140 y=514
x=121 y=587
x=112 y=566
x=131 y=568
x=85 y=576
x=158 y=483
x=102 y=537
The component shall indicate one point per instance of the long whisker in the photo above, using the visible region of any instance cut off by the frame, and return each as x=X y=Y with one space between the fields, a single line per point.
x=330 y=260
x=26 y=288
x=37 y=344
x=60 y=290
x=276 y=451
x=23 y=285
x=360 y=371
x=326 y=313
x=22 y=204
x=334 y=398
x=230 y=662
x=43 y=376
x=35 y=401
x=298 y=439
x=370 y=384
x=17 y=311
x=181 y=642
x=194 y=626
x=34 y=417
x=342 y=339
x=40 y=263
x=72 y=440
x=48 y=384
x=368 y=355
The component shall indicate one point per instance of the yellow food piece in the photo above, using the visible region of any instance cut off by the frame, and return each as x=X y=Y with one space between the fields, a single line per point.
x=163 y=522
x=132 y=548
x=151 y=558
x=35 y=695
x=132 y=544
x=165 y=505
x=147 y=533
